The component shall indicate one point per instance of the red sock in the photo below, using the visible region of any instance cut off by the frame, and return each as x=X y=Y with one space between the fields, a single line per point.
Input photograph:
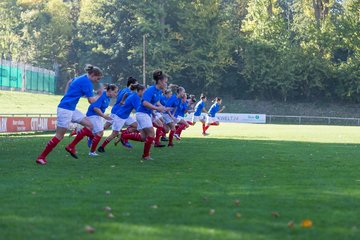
x=190 y=123
x=159 y=132
x=106 y=142
x=171 y=137
x=213 y=124
x=125 y=131
x=132 y=136
x=84 y=132
x=147 y=146
x=49 y=147
x=95 y=142
x=206 y=128
x=203 y=127
x=87 y=132
x=180 y=128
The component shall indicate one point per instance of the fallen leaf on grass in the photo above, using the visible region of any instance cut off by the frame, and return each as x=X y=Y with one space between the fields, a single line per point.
x=107 y=208
x=275 y=214
x=237 y=202
x=291 y=224
x=107 y=192
x=211 y=211
x=154 y=206
x=307 y=223
x=89 y=229
x=238 y=215
x=110 y=215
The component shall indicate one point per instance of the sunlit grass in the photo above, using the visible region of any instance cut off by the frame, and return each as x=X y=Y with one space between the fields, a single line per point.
x=301 y=172
x=12 y=102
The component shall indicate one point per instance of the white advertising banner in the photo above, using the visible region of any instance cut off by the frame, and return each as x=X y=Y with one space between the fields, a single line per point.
x=237 y=117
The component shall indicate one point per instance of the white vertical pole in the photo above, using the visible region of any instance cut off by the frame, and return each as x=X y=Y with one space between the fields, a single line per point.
x=144 y=60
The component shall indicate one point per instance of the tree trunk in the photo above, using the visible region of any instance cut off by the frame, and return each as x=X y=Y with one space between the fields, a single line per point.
x=270 y=8
x=317 y=7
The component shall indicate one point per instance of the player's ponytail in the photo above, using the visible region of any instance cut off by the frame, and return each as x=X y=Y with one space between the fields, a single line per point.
x=133 y=87
x=176 y=88
x=191 y=97
x=92 y=70
x=167 y=91
x=158 y=75
x=173 y=86
x=131 y=81
x=111 y=87
x=139 y=87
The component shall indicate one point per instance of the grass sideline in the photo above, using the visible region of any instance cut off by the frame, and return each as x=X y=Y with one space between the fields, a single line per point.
x=12 y=102
x=301 y=172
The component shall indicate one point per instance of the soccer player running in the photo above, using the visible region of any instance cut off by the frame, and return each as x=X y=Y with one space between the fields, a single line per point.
x=211 y=119
x=96 y=112
x=158 y=120
x=123 y=94
x=179 y=115
x=173 y=103
x=67 y=112
x=119 y=118
x=150 y=102
x=199 y=109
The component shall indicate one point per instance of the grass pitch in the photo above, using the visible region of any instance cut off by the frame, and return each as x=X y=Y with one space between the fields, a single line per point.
x=278 y=174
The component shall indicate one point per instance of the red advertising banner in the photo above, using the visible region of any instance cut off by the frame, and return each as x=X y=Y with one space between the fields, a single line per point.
x=27 y=124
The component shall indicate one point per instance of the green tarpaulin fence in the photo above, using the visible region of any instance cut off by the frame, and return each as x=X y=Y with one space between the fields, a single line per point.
x=24 y=77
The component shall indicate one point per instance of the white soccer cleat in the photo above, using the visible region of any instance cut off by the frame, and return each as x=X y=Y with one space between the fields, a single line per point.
x=177 y=136
x=93 y=154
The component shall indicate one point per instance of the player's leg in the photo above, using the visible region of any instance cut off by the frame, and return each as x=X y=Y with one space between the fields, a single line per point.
x=86 y=131
x=145 y=125
x=98 y=132
x=158 y=124
x=171 y=126
x=63 y=121
x=204 y=126
x=113 y=135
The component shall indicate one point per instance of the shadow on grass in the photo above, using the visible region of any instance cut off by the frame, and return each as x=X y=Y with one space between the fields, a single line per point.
x=188 y=192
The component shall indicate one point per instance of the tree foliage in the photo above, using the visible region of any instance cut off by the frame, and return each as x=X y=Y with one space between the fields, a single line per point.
x=283 y=50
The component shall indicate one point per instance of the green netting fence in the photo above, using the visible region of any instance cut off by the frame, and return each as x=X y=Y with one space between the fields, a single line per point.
x=24 y=77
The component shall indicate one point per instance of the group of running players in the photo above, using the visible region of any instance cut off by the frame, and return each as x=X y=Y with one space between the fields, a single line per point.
x=161 y=106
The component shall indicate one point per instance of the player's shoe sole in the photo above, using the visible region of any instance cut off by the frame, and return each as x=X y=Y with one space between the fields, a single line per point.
x=101 y=149
x=71 y=151
x=170 y=145
x=177 y=136
x=41 y=161
x=93 y=154
x=125 y=144
x=148 y=158
x=159 y=145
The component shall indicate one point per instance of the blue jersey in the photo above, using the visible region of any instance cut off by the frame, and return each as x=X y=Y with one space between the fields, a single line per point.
x=151 y=95
x=173 y=102
x=214 y=109
x=102 y=103
x=132 y=102
x=80 y=86
x=199 y=107
x=119 y=98
x=163 y=100
x=180 y=111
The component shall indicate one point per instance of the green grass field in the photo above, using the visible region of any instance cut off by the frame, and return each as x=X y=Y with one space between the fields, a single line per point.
x=300 y=172
x=22 y=102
